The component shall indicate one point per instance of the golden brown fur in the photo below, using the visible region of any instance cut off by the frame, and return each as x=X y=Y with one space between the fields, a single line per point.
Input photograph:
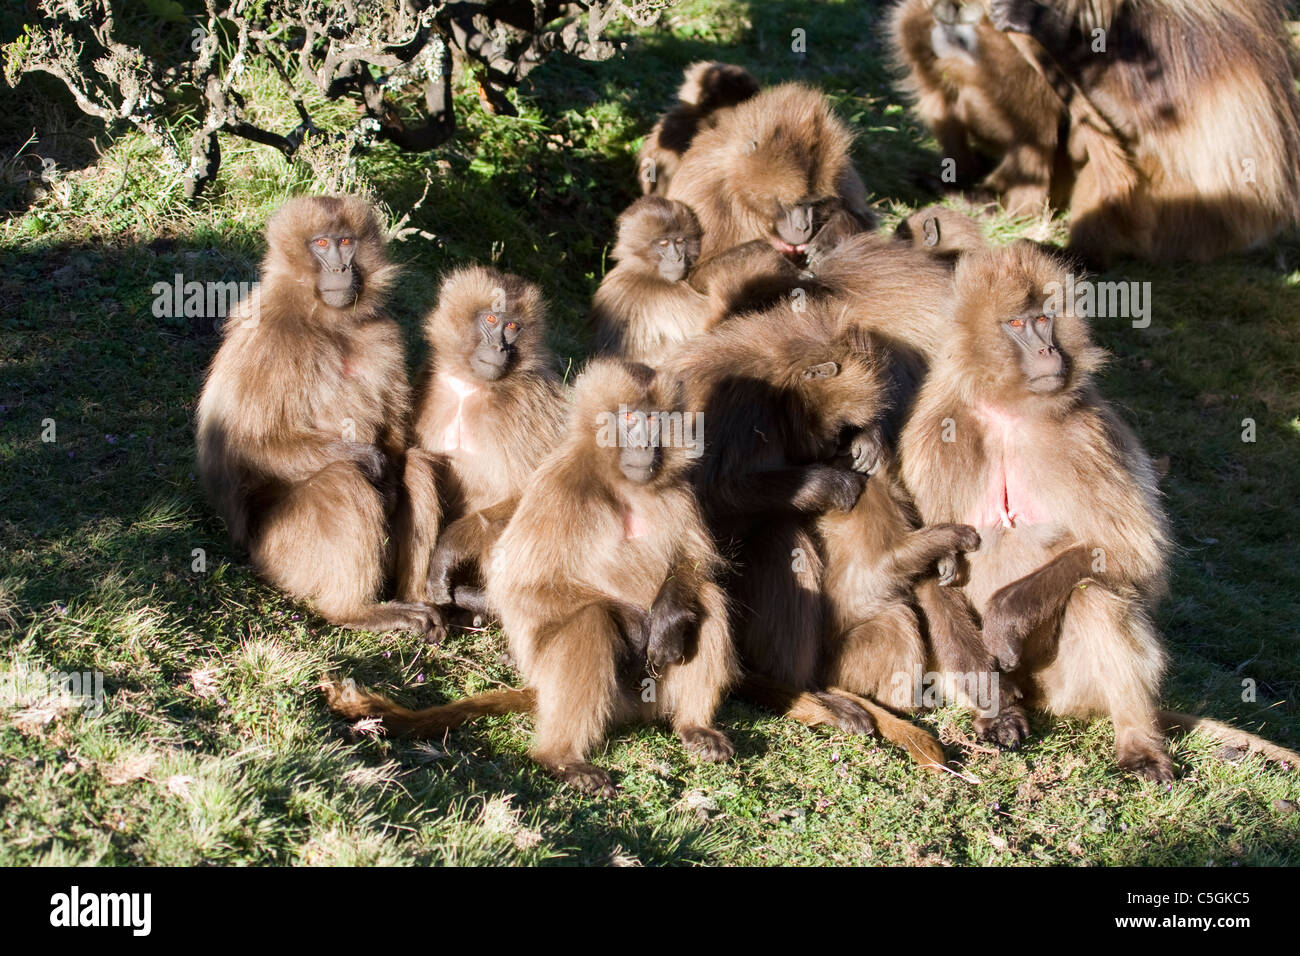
x=942 y=232
x=1202 y=97
x=777 y=391
x=302 y=421
x=903 y=296
x=978 y=95
x=707 y=89
x=781 y=148
x=639 y=314
x=477 y=441
x=587 y=563
x=1078 y=480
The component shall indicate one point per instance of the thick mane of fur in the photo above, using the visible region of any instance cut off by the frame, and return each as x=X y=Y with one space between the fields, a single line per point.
x=289 y=258
x=998 y=283
x=452 y=331
x=711 y=85
x=651 y=218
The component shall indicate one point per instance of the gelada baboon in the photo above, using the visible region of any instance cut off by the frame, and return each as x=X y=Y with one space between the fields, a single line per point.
x=776 y=168
x=644 y=305
x=981 y=98
x=1199 y=95
x=1010 y=436
x=895 y=625
x=707 y=89
x=942 y=232
x=899 y=293
x=489 y=408
x=302 y=421
x=605 y=586
x=780 y=392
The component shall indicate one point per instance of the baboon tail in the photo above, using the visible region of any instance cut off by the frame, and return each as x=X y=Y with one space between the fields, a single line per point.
x=1231 y=736
x=347 y=700
x=813 y=709
x=920 y=743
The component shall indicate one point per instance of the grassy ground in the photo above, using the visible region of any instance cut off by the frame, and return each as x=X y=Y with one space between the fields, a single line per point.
x=214 y=747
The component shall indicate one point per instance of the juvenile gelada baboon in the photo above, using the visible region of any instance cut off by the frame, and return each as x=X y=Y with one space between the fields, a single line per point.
x=645 y=305
x=1010 y=436
x=606 y=589
x=707 y=90
x=302 y=420
x=489 y=408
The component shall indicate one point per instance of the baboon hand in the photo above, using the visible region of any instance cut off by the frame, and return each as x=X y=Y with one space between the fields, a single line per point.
x=1005 y=628
x=1014 y=16
x=708 y=744
x=867 y=451
x=947 y=568
x=827 y=487
x=669 y=623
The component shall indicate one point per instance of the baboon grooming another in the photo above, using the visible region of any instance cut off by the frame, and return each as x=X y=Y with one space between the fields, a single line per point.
x=1010 y=436
x=776 y=168
x=302 y=420
x=781 y=392
x=605 y=587
x=707 y=90
x=490 y=407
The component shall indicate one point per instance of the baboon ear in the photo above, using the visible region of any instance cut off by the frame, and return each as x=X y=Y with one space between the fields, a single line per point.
x=930 y=230
x=824 y=370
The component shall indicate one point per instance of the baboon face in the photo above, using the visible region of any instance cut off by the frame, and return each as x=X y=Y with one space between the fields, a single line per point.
x=662 y=233
x=494 y=355
x=337 y=282
x=331 y=247
x=640 y=457
x=674 y=255
x=1042 y=363
x=795 y=225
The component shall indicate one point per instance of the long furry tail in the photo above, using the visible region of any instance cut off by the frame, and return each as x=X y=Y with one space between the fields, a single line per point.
x=812 y=710
x=1231 y=736
x=922 y=745
x=347 y=700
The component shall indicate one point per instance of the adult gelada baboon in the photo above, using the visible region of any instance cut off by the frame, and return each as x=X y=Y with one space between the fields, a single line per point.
x=776 y=168
x=302 y=420
x=980 y=97
x=780 y=392
x=1010 y=436
x=605 y=587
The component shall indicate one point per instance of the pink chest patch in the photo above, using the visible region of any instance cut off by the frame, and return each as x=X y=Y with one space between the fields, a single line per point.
x=349 y=369
x=456 y=437
x=634 y=523
x=1009 y=497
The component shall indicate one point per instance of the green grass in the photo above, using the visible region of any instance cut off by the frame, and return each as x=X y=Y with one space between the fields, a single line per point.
x=214 y=746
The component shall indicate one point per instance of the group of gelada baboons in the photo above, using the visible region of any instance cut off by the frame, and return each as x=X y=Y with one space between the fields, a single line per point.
x=811 y=462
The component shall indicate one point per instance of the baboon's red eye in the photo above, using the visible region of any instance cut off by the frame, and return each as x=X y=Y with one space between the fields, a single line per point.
x=663 y=242
x=630 y=416
x=512 y=326
x=345 y=241
x=1017 y=323
x=322 y=243
x=1042 y=318
x=491 y=319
